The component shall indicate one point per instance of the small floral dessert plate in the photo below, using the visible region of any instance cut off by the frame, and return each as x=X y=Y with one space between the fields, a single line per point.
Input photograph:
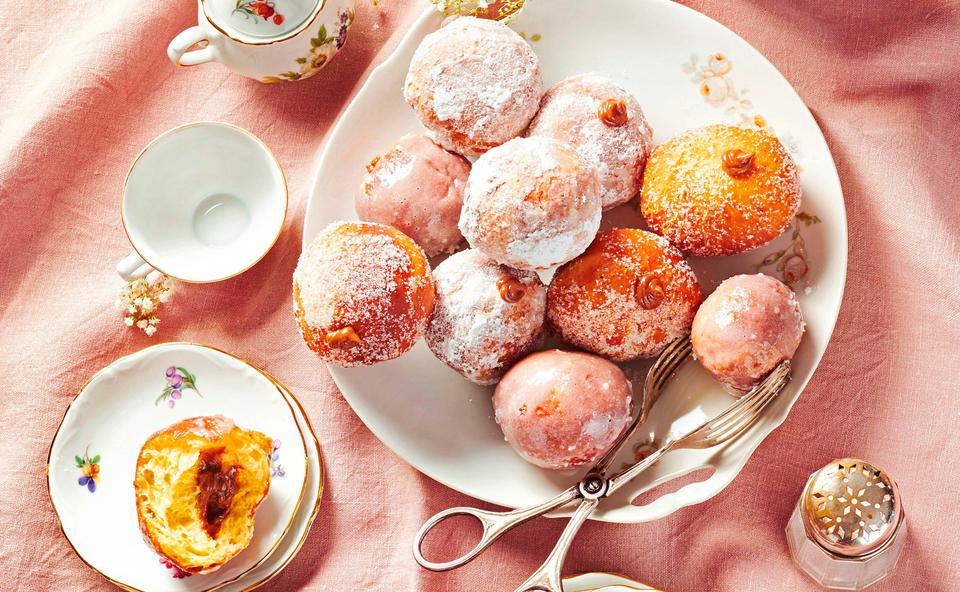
x=94 y=452
x=687 y=71
x=602 y=582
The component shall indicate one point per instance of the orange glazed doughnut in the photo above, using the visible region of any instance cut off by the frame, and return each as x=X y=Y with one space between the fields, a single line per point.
x=362 y=293
x=720 y=190
x=627 y=296
x=474 y=83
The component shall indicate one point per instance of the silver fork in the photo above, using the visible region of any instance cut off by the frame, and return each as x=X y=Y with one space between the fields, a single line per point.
x=733 y=421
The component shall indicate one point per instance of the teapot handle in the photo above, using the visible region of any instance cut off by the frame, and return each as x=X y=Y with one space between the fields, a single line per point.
x=177 y=50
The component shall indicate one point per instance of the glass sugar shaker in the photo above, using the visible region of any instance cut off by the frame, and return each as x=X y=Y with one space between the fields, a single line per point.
x=848 y=528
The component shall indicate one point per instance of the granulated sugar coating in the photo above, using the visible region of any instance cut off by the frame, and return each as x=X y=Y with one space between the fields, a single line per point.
x=562 y=409
x=362 y=293
x=745 y=328
x=531 y=203
x=628 y=296
x=572 y=111
x=720 y=190
x=474 y=83
x=417 y=187
x=486 y=315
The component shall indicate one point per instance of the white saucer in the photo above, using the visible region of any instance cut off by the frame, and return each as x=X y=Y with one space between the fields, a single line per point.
x=602 y=582
x=117 y=410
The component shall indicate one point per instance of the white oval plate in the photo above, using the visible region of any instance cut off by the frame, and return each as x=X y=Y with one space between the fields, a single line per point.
x=111 y=418
x=291 y=544
x=666 y=55
x=602 y=582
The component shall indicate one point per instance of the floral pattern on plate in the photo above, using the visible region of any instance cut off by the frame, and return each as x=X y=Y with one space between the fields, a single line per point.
x=90 y=467
x=179 y=379
x=792 y=261
x=276 y=469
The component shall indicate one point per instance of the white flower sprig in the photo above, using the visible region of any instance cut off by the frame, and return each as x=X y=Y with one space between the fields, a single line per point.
x=139 y=300
x=506 y=8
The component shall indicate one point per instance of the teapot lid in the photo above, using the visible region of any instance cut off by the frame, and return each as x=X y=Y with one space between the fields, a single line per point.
x=260 y=18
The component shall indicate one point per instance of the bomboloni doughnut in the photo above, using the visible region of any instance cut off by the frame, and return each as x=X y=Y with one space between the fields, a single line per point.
x=474 y=83
x=362 y=293
x=628 y=296
x=416 y=187
x=606 y=126
x=531 y=203
x=486 y=315
x=198 y=484
x=561 y=409
x=745 y=328
x=720 y=190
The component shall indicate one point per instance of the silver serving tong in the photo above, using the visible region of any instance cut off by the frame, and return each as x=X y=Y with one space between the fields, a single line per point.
x=596 y=485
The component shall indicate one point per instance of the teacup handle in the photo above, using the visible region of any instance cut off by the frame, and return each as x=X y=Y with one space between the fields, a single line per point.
x=177 y=50
x=133 y=267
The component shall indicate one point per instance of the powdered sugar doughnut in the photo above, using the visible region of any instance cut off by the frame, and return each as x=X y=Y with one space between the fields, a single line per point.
x=362 y=293
x=606 y=126
x=745 y=328
x=417 y=187
x=627 y=296
x=474 y=83
x=486 y=315
x=531 y=204
x=720 y=190
x=561 y=409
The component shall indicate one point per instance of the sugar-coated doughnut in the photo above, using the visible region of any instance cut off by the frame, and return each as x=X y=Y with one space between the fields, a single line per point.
x=362 y=293
x=486 y=315
x=720 y=190
x=745 y=328
x=474 y=83
x=561 y=409
x=416 y=187
x=627 y=296
x=531 y=203
x=198 y=484
x=605 y=125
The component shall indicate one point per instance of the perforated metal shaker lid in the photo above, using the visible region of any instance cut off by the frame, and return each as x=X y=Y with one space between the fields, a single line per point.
x=851 y=507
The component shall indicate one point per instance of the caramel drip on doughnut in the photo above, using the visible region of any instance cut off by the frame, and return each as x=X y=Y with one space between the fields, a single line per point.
x=511 y=290
x=649 y=291
x=613 y=112
x=738 y=163
x=345 y=338
x=372 y=164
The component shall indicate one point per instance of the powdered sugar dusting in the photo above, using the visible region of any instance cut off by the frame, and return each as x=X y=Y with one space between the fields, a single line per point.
x=473 y=329
x=690 y=199
x=358 y=275
x=592 y=301
x=475 y=83
x=568 y=112
x=531 y=203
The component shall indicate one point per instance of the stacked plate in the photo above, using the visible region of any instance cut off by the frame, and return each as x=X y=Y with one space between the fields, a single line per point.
x=93 y=456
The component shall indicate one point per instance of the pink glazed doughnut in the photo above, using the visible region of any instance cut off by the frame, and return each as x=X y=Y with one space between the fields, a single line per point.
x=745 y=328
x=531 y=203
x=606 y=126
x=474 y=83
x=562 y=409
x=416 y=187
x=485 y=316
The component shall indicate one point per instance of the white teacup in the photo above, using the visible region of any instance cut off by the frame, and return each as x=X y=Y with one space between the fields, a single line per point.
x=202 y=202
x=267 y=40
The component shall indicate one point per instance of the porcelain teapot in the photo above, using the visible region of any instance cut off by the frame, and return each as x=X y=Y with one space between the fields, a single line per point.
x=268 y=40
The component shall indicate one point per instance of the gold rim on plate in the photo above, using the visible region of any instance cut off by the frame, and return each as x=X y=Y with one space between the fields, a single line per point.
x=277 y=385
x=283 y=219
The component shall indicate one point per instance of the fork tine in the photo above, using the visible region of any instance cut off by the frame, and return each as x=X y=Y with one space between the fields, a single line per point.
x=729 y=425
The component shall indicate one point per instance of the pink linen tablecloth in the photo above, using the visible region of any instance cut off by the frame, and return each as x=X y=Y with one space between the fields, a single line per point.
x=84 y=85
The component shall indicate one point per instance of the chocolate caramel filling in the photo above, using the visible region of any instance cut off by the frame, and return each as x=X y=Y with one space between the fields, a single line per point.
x=218 y=485
x=510 y=288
